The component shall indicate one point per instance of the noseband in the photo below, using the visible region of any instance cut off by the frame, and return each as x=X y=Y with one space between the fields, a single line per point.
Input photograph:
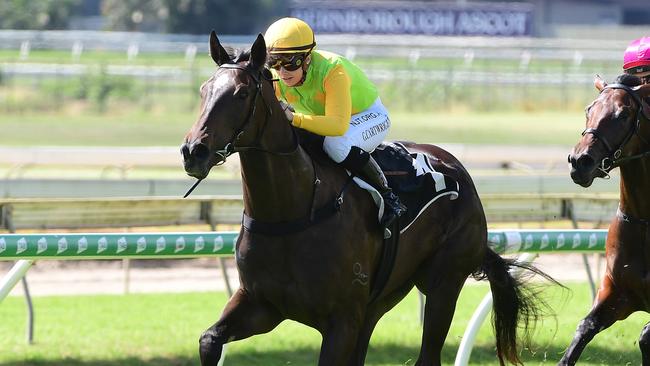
x=230 y=147
x=613 y=158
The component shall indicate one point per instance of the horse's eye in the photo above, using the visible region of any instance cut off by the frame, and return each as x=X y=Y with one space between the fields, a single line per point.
x=622 y=115
x=242 y=94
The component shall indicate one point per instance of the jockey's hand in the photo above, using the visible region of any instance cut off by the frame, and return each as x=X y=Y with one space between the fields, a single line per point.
x=288 y=110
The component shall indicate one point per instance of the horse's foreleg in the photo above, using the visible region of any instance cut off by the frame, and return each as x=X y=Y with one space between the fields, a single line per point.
x=241 y=319
x=611 y=305
x=644 y=344
x=339 y=340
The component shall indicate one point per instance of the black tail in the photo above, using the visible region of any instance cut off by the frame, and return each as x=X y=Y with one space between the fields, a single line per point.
x=514 y=303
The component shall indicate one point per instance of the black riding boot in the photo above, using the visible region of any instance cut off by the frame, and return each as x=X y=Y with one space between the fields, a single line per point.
x=372 y=173
x=361 y=164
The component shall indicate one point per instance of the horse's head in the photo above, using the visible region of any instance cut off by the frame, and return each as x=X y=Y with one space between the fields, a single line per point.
x=233 y=102
x=612 y=130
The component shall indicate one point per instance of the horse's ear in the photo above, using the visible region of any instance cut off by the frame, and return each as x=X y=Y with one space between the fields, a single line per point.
x=258 y=52
x=218 y=53
x=599 y=83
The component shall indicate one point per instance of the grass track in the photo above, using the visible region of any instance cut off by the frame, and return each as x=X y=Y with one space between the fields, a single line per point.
x=163 y=329
x=157 y=128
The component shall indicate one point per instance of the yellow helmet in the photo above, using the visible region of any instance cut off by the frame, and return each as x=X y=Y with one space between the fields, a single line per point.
x=289 y=35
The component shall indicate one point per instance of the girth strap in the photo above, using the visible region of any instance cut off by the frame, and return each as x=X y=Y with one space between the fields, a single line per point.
x=295 y=226
x=291 y=227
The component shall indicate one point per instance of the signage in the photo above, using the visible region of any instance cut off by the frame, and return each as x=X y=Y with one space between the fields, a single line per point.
x=429 y=18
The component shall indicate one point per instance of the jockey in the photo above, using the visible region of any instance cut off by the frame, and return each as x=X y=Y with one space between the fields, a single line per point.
x=332 y=97
x=636 y=60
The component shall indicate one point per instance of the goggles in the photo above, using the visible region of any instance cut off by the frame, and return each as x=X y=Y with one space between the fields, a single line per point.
x=638 y=69
x=288 y=62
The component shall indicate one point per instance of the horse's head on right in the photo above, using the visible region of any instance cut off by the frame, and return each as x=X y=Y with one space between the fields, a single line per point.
x=612 y=128
x=229 y=100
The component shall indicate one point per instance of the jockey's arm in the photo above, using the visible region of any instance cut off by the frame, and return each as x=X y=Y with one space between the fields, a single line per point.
x=338 y=107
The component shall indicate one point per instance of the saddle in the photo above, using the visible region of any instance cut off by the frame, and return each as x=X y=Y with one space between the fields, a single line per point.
x=414 y=180
x=411 y=176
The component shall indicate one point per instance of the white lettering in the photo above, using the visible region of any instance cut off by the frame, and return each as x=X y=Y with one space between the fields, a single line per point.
x=418 y=20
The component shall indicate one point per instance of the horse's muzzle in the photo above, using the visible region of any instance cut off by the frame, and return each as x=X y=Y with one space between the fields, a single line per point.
x=584 y=169
x=196 y=160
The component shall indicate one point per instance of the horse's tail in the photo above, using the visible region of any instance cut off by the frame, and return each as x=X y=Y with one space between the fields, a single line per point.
x=514 y=303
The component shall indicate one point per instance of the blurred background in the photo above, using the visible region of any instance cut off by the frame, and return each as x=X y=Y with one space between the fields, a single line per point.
x=97 y=95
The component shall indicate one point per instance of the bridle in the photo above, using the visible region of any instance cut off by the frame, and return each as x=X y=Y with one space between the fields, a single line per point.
x=230 y=147
x=316 y=215
x=614 y=158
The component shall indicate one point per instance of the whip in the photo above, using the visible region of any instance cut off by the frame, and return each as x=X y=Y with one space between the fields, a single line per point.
x=192 y=188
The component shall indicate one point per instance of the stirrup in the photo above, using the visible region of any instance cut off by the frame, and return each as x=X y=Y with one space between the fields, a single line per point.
x=387 y=233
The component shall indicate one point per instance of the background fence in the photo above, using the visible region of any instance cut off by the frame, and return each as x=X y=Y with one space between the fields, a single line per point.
x=413 y=73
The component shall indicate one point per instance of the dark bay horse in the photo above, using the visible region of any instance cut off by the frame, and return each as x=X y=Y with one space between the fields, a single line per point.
x=318 y=269
x=618 y=135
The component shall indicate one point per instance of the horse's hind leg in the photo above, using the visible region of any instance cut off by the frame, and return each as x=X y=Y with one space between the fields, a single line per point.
x=611 y=305
x=373 y=314
x=438 y=313
x=644 y=345
x=241 y=319
x=441 y=280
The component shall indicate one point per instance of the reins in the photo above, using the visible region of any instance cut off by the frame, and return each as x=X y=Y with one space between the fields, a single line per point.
x=252 y=225
x=230 y=147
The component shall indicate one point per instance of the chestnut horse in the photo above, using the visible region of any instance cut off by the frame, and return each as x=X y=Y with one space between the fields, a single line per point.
x=618 y=135
x=318 y=268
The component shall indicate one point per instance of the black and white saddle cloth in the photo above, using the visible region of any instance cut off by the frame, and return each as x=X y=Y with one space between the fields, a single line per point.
x=413 y=178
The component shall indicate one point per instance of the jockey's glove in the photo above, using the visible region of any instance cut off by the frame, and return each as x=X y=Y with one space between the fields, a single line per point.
x=288 y=110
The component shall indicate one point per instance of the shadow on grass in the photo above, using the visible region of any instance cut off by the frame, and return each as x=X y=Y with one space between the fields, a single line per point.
x=387 y=354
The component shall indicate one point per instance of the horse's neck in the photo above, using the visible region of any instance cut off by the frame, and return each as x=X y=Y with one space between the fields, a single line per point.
x=635 y=188
x=277 y=187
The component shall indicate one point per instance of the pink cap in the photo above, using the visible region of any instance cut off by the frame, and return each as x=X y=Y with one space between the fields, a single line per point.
x=637 y=53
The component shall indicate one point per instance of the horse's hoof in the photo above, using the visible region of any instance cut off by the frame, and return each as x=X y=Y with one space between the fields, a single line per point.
x=209 y=348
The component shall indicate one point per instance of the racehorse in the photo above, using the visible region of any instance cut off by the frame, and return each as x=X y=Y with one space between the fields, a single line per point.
x=617 y=134
x=317 y=268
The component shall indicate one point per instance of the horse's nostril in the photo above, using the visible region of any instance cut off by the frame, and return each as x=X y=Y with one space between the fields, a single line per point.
x=185 y=151
x=200 y=152
x=585 y=162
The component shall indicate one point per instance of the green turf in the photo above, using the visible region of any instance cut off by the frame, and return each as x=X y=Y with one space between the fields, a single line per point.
x=138 y=128
x=179 y=58
x=164 y=330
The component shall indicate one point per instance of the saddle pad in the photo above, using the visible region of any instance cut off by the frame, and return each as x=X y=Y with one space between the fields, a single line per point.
x=412 y=178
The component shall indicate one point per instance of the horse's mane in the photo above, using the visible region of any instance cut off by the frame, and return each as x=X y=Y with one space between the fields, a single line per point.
x=312 y=143
x=238 y=55
x=629 y=80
